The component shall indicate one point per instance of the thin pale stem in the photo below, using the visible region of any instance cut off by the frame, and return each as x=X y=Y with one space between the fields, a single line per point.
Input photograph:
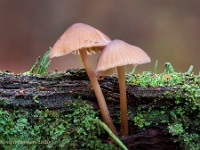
x=101 y=100
x=123 y=101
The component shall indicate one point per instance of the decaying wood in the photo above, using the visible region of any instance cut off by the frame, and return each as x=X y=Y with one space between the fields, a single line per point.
x=51 y=89
x=54 y=90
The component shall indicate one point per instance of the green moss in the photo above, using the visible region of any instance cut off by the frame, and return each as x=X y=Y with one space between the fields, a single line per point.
x=182 y=115
x=49 y=129
x=149 y=78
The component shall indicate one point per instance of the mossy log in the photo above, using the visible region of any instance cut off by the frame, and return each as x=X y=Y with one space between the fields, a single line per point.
x=55 y=90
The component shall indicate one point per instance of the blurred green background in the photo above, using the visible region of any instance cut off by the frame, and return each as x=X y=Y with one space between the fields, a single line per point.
x=168 y=30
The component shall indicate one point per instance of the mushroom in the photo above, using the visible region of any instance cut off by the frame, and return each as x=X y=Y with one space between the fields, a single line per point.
x=116 y=55
x=83 y=39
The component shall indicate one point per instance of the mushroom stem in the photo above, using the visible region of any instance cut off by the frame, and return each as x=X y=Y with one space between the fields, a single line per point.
x=123 y=102
x=101 y=100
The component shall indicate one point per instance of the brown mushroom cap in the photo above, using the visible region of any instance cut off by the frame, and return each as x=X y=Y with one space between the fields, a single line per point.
x=119 y=53
x=79 y=36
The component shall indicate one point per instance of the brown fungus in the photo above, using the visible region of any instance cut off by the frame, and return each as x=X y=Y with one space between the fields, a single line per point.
x=116 y=55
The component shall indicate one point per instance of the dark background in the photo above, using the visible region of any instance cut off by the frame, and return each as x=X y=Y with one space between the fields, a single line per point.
x=169 y=31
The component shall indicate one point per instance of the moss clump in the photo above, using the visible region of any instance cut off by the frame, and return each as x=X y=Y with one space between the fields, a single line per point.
x=149 y=78
x=72 y=128
x=181 y=115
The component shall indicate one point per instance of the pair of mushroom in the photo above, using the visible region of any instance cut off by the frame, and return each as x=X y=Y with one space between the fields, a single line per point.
x=83 y=39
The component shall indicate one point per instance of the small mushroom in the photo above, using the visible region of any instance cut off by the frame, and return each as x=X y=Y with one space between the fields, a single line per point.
x=116 y=55
x=83 y=39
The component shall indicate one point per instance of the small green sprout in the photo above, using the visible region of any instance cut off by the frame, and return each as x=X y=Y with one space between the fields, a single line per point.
x=35 y=65
x=156 y=66
x=44 y=64
x=133 y=70
x=42 y=67
x=190 y=69
x=168 y=68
